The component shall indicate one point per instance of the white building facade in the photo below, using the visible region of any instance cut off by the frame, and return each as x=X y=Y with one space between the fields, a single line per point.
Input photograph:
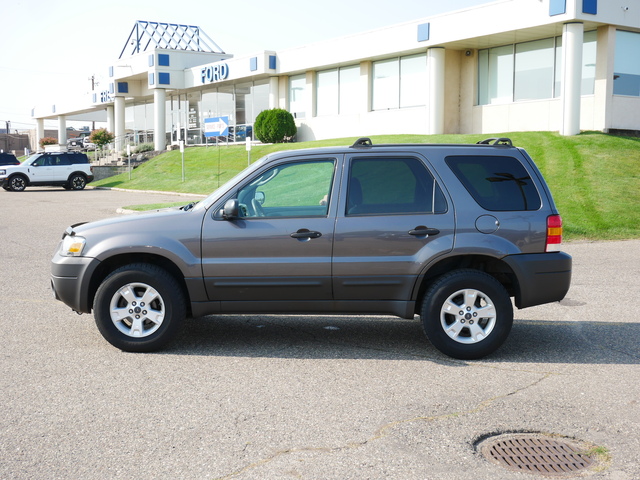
x=510 y=65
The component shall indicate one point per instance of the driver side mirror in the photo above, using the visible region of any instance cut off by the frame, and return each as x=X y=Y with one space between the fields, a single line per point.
x=231 y=209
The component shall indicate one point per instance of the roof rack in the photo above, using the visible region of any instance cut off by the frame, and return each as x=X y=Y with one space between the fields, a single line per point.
x=362 y=142
x=496 y=141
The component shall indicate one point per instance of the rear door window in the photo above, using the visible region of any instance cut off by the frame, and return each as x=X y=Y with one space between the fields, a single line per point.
x=392 y=186
x=60 y=160
x=497 y=183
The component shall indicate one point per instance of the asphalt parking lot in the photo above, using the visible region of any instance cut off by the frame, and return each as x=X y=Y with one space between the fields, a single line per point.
x=284 y=397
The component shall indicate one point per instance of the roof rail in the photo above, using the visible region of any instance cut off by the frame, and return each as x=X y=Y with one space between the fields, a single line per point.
x=362 y=142
x=496 y=141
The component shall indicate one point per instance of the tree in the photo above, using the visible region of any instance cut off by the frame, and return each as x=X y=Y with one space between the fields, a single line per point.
x=274 y=126
x=48 y=141
x=101 y=137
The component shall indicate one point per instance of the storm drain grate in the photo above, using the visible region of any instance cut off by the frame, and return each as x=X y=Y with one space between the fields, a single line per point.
x=536 y=453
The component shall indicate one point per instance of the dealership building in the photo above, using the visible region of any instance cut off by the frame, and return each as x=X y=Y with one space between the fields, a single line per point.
x=509 y=65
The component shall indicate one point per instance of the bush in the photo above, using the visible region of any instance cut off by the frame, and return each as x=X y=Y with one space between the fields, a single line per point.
x=48 y=141
x=274 y=126
x=144 y=147
x=101 y=137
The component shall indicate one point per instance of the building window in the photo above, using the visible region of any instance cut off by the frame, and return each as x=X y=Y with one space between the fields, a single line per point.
x=534 y=70
x=530 y=70
x=337 y=91
x=400 y=82
x=297 y=95
x=495 y=75
x=413 y=81
x=328 y=96
x=163 y=60
x=589 y=62
x=350 y=91
x=626 y=68
x=386 y=85
x=164 y=78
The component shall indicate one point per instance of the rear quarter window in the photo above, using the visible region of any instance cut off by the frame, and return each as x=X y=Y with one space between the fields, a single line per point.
x=497 y=183
x=78 y=158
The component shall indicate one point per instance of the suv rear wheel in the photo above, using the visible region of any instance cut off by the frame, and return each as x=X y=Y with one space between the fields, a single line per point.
x=139 y=308
x=17 y=183
x=77 y=182
x=467 y=314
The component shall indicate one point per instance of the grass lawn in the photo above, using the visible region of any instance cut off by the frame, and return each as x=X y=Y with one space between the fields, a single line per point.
x=594 y=177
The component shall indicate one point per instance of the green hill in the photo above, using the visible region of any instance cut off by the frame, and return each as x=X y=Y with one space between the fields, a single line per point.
x=594 y=177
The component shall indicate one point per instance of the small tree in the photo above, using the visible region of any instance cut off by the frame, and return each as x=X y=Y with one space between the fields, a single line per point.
x=274 y=126
x=101 y=137
x=48 y=141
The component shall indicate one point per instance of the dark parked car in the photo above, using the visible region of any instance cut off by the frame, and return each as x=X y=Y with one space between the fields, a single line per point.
x=448 y=232
x=8 y=159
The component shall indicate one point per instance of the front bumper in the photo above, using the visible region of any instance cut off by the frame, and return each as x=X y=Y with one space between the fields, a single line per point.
x=542 y=277
x=71 y=281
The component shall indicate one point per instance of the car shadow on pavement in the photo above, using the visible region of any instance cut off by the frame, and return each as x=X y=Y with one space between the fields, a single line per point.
x=390 y=338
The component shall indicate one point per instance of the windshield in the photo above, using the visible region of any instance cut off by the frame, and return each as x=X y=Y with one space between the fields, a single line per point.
x=32 y=158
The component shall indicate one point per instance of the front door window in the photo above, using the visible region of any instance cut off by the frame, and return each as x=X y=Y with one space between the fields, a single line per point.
x=300 y=189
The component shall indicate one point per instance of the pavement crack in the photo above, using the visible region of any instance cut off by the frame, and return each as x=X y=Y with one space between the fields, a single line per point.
x=383 y=431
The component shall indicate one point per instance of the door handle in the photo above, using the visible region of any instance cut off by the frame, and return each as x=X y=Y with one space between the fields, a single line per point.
x=423 y=231
x=304 y=233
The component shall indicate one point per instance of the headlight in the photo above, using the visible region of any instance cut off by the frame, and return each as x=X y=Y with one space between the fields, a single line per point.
x=3 y=172
x=72 y=246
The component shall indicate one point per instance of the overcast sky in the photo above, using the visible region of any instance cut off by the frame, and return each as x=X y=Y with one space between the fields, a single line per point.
x=50 y=49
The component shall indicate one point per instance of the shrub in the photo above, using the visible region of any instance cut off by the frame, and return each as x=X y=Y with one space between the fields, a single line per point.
x=101 y=137
x=144 y=147
x=48 y=141
x=274 y=126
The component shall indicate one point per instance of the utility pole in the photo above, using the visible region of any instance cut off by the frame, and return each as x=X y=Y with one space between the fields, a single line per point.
x=6 y=138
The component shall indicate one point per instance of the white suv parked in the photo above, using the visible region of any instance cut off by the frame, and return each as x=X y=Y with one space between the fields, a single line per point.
x=70 y=170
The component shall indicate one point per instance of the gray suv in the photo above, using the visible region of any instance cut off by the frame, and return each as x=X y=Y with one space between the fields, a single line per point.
x=448 y=232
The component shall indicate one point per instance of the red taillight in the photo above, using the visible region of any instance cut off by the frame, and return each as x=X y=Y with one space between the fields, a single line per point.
x=554 y=233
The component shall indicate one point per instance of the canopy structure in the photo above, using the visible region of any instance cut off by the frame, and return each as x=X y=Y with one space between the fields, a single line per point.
x=172 y=36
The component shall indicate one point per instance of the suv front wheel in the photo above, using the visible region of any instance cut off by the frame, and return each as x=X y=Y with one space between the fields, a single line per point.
x=139 y=308
x=467 y=314
x=17 y=183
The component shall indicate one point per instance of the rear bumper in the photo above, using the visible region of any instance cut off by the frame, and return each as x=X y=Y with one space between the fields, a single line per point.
x=542 y=277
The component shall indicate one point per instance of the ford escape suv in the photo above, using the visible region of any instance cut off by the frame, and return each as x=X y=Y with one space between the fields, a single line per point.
x=70 y=170
x=451 y=233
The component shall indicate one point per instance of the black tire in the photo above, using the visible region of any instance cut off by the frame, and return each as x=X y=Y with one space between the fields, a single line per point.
x=467 y=314
x=77 y=182
x=130 y=323
x=17 y=183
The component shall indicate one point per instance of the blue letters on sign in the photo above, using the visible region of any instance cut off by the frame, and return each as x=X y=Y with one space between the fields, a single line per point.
x=214 y=73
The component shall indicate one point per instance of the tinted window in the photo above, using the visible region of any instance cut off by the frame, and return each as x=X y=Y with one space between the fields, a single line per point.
x=42 y=161
x=77 y=158
x=8 y=159
x=496 y=183
x=300 y=189
x=385 y=186
x=59 y=160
